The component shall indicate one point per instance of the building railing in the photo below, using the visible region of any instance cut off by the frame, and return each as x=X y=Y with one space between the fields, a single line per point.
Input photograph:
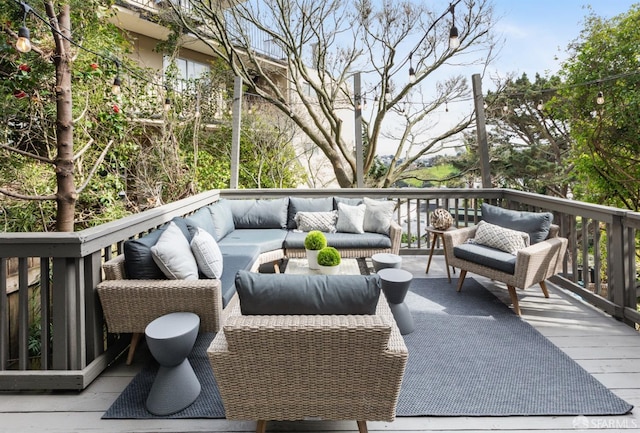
x=600 y=266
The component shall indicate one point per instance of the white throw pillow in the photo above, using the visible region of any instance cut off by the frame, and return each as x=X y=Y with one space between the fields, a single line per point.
x=323 y=221
x=377 y=217
x=172 y=254
x=207 y=254
x=501 y=238
x=350 y=218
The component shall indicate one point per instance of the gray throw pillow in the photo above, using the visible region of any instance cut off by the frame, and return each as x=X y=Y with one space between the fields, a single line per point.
x=173 y=256
x=537 y=224
x=350 y=218
x=377 y=216
x=283 y=294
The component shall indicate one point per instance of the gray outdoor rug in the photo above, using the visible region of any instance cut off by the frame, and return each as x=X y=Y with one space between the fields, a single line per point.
x=470 y=355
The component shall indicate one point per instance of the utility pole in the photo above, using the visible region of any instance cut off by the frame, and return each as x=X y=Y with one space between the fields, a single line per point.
x=235 y=136
x=481 y=130
x=358 y=129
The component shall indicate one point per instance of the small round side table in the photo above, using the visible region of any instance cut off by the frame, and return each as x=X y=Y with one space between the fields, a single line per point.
x=395 y=284
x=170 y=339
x=385 y=260
x=439 y=234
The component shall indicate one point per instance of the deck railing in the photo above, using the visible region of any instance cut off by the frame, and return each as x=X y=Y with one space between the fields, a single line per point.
x=600 y=266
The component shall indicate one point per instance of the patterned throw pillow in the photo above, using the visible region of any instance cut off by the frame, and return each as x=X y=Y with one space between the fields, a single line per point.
x=500 y=238
x=323 y=221
x=207 y=253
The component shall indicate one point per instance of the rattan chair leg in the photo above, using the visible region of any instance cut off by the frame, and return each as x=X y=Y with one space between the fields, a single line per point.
x=261 y=426
x=135 y=339
x=514 y=299
x=463 y=274
x=362 y=427
x=543 y=286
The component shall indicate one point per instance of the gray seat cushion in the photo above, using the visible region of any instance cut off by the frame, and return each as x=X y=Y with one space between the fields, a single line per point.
x=275 y=294
x=537 y=224
x=264 y=239
x=486 y=256
x=234 y=259
x=295 y=240
x=202 y=219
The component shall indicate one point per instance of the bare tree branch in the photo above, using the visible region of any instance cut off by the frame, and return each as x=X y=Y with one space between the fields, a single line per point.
x=27 y=154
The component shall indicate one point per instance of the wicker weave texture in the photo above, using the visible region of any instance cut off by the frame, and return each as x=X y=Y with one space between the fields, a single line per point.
x=130 y=305
x=294 y=367
x=533 y=264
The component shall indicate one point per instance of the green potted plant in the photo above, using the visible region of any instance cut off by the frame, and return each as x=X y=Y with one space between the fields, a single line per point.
x=314 y=242
x=329 y=260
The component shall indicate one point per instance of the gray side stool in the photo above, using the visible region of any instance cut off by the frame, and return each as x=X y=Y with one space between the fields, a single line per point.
x=395 y=284
x=385 y=260
x=170 y=339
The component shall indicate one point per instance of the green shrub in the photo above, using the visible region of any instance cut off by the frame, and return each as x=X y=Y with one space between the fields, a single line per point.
x=328 y=256
x=315 y=240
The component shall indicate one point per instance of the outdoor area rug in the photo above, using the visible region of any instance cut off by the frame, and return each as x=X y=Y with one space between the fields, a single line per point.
x=470 y=355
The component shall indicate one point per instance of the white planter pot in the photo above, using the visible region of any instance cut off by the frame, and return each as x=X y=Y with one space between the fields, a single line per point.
x=312 y=258
x=329 y=270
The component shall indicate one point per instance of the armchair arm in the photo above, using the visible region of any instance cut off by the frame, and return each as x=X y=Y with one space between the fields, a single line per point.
x=395 y=234
x=539 y=261
x=453 y=238
x=129 y=305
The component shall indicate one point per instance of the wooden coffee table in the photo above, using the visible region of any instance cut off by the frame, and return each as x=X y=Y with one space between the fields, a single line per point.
x=301 y=267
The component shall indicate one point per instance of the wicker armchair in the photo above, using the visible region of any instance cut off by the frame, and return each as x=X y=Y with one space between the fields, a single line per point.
x=130 y=305
x=534 y=264
x=315 y=366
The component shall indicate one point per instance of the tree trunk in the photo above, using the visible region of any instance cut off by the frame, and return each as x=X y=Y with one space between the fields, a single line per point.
x=66 y=195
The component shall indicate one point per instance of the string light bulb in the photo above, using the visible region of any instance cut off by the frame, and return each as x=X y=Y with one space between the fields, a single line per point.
x=540 y=105
x=23 y=44
x=167 y=104
x=412 y=72
x=454 y=40
x=115 y=88
x=600 y=98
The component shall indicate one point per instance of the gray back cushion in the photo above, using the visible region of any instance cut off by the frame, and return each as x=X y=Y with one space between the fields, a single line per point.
x=138 y=260
x=298 y=204
x=260 y=214
x=283 y=294
x=202 y=219
x=222 y=219
x=537 y=224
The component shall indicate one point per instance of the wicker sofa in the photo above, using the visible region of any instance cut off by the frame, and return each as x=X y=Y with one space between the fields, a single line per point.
x=271 y=363
x=249 y=233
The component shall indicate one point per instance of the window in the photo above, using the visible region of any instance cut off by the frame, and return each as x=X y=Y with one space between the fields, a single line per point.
x=187 y=70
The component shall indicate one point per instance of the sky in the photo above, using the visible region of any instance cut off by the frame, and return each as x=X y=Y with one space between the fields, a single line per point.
x=535 y=35
x=535 y=32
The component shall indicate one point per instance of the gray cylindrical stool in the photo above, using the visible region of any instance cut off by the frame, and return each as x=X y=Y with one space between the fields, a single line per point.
x=395 y=284
x=170 y=339
x=385 y=260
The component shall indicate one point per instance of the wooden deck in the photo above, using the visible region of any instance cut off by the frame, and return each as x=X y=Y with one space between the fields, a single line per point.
x=605 y=347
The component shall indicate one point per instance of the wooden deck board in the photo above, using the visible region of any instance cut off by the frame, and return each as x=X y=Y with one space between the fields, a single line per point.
x=606 y=348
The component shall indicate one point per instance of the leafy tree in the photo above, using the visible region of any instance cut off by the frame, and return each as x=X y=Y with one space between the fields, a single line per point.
x=606 y=150
x=324 y=42
x=53 y=143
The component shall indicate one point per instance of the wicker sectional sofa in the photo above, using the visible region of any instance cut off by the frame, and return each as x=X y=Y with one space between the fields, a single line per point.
x=249 y=233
